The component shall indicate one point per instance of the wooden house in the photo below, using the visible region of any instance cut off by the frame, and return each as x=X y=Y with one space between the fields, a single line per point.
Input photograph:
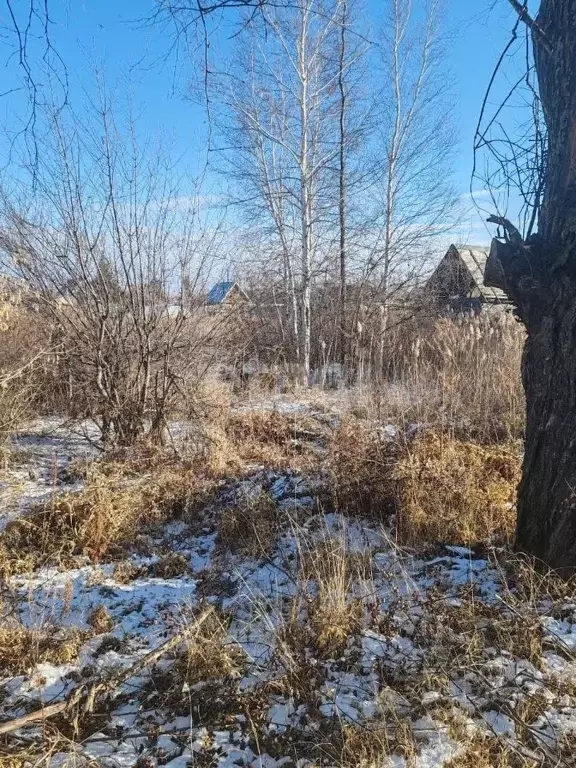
x=457 y=283
x=226 y=294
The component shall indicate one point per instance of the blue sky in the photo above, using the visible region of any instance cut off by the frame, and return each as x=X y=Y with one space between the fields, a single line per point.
x=135 y=57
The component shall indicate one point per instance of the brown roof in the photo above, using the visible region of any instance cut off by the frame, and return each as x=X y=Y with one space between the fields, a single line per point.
x=475 y=257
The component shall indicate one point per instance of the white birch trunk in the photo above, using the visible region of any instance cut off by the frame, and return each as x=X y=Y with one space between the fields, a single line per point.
x=305 y=190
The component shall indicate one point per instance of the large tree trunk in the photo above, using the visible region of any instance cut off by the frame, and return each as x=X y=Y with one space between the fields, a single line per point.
x=546 y=303
x=539 y=275
x=546 y=525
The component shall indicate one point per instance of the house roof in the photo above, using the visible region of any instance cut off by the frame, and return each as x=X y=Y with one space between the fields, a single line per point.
x=217 y=294
x=475 y=258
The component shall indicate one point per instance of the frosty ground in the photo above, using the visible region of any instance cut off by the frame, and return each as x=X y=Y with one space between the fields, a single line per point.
x=305 y=635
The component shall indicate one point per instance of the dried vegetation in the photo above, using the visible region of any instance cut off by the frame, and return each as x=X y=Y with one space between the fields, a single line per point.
x=23 y=648
x=96 y=522
x=443 y=489
x=456 y=492
x=250 y=527
x=391 y=616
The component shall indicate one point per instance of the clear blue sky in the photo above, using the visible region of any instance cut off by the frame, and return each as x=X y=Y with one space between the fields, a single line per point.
x=90 y=34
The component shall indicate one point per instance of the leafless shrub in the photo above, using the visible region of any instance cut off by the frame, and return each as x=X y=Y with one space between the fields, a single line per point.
x=27 y=362
x=120 y=281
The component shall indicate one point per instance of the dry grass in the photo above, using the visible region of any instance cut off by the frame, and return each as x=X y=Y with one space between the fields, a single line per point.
x=326 y=612
x=21 y=648
x=371 y=746
x=334 y=614
x=360 y=463
x=464 y=630
x=100 y=620
x=490 y=752
x=125 y=572
x=87 y=523
x=211 y=654
x=364 y=747
x=250 y=527
x=171 y=566
x=142 y=486
x=274 y=439
x=456 y=492
x=460 y=374
x=235 y=439
x=99 y=521
x=443 y=489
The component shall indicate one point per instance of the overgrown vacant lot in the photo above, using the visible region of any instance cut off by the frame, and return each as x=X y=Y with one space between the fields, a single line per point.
x=296 y=585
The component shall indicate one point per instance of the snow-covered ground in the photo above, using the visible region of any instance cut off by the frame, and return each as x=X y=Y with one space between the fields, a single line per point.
x=442 y=654
x=37 y=460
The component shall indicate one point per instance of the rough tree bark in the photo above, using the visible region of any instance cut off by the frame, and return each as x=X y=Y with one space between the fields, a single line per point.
x=539 y=275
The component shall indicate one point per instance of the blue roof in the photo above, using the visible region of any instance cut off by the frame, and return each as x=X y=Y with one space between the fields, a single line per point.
x=218 y=293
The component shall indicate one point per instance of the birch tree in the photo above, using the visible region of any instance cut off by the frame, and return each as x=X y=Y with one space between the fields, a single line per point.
x=354 y=127
x=282 y=121
x=415 y=197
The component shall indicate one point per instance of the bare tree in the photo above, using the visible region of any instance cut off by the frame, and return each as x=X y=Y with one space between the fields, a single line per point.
x=262 y=170
x=107 y=243
x=283 y=120
x=354 y=170
x=416 y=199
x=537 y=272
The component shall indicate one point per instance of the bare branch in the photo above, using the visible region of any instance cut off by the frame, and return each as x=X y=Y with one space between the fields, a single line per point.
x=532 y=24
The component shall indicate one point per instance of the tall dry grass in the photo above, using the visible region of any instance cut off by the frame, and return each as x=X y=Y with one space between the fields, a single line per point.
x=441 y=489
x=27 y=362
x=462 y=373
x=450 y=491
x=360 y=463
x=99 y=521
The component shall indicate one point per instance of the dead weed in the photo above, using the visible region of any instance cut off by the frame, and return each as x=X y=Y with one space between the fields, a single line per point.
x=490 y=752
x=450 y=491
x=275 y=439
x=250 y=527
x=171 y=566
x=360 y=464
x=100 y=620
x=334 y=614
x=211 y=654
x=22 y=648
x=98 y=521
